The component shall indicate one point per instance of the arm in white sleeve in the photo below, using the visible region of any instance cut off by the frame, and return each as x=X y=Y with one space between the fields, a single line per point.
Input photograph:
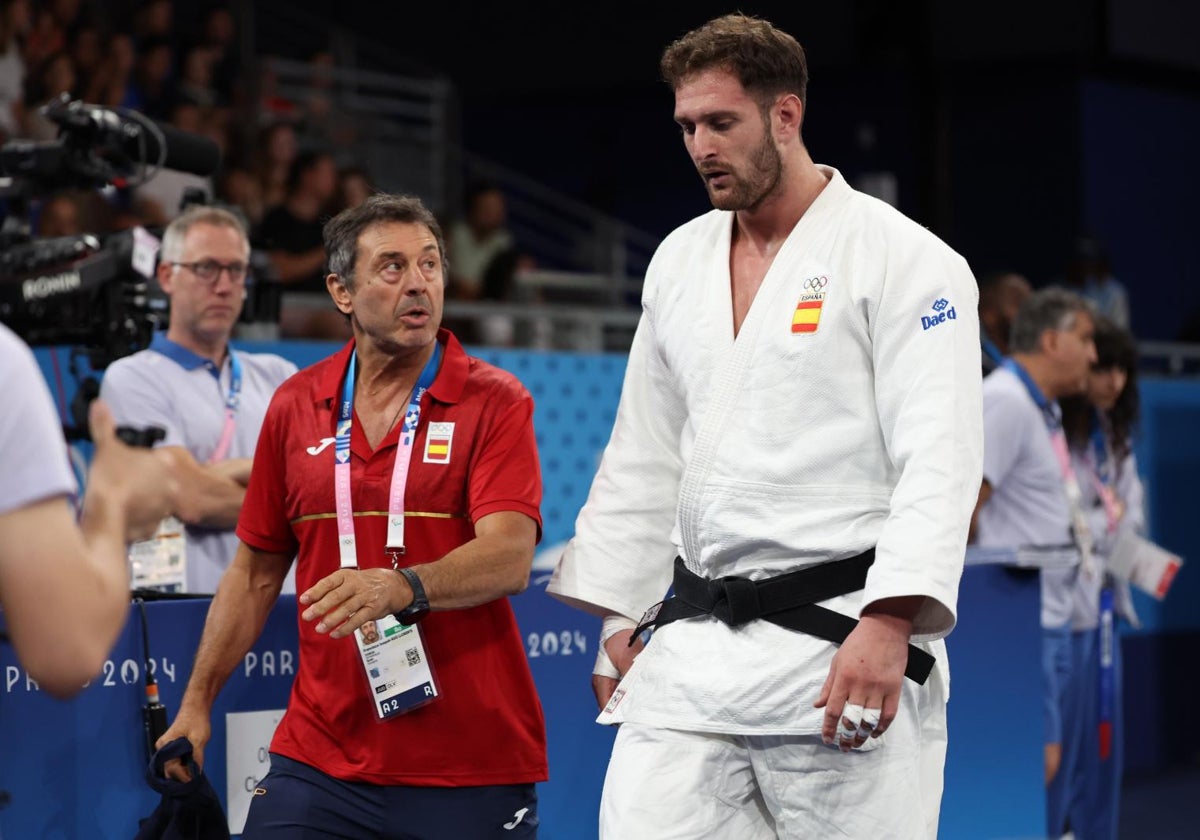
x=620 y=559
x=928 y=396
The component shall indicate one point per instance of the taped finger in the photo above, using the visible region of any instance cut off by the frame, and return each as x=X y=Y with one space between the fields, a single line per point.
x=870 y=720
x=850 y=720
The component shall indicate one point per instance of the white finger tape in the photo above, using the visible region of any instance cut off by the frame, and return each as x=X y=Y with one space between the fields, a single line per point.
x=853 y=713
x=870 y=719
x=604 y=666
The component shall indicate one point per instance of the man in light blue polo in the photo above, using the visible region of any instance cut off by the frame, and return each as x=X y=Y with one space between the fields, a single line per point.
x=1025 y=501
x=209 y=398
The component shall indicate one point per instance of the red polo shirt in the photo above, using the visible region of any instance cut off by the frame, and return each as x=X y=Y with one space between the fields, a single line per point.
x=487 y=726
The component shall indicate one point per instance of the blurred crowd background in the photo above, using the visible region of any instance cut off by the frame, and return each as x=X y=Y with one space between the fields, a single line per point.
x=1048 y=140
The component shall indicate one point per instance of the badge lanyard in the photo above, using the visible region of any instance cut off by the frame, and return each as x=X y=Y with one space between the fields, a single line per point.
x=1106 y=676
x=231 y=407
x=991 y=350
x=1058 y=441
x=347 y=548
x=1104 y=476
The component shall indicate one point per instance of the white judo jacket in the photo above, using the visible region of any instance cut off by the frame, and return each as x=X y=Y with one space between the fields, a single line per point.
x=846 y=414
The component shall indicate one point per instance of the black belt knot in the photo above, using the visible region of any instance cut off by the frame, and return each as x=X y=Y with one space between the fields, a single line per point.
x=736 y=600
x=788 y=600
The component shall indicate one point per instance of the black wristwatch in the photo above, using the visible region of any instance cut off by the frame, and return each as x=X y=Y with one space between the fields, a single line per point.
x=419 y=608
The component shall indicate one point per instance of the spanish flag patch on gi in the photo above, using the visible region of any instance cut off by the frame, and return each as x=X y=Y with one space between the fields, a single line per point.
x=807 y=315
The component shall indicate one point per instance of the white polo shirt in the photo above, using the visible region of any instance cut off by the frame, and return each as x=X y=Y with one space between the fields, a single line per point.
x=1028 y=507
x=32 y=450
x=171 y=387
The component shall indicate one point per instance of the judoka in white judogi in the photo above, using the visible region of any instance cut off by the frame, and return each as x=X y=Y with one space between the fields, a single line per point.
x=781 y=449
x=803 y=386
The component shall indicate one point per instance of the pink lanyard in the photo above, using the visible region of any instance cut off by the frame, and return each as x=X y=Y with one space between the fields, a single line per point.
x=347 y=547
x=231 y=407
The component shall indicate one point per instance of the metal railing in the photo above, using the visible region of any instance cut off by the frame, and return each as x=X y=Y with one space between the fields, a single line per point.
x=569 y=234
x=401 y=125
x=1170 y=358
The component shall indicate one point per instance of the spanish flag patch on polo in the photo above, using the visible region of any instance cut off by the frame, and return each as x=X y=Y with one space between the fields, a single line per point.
x=807 y=316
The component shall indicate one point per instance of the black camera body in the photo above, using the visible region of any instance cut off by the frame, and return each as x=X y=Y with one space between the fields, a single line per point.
x=98 y=295
x=78 y=291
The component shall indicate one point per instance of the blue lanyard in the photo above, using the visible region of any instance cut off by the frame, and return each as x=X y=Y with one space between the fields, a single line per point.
x=347 y=547
x=1053 y=421
x=991 y=350
x=231 y=406
x=1107 y=689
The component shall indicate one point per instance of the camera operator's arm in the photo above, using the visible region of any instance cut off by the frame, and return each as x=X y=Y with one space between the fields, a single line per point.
x=209 y=496
x=245 y=596
x=65 y=588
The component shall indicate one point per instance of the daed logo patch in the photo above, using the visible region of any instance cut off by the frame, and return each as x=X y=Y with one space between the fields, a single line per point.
x=438 y=443
x=942 y=312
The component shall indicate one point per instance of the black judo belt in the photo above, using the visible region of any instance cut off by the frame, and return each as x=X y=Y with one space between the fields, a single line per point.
x=789 y=600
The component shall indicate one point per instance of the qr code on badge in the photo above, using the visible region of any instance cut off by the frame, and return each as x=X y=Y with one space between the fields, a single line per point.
x=414 y=656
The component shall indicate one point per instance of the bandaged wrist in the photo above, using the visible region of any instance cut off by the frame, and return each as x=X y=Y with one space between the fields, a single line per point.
x=604 y=666
x=614 y=624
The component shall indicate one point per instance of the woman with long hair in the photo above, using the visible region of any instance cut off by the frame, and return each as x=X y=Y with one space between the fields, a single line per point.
x=1099 y=425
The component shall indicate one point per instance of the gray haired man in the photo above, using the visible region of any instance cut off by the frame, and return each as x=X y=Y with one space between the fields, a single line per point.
x=1025 y=500
x=210 y=399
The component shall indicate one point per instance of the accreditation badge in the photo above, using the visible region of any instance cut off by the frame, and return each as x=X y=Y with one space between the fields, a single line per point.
x=1147 y=566
x=160 y=563
x=399 y=675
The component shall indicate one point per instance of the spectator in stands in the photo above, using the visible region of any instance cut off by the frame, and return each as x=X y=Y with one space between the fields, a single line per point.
x=14 y=23
x=354 y=187
x=56 y=77
x=273 y=106
x=87 y=54
x=323 y=121
x=498 y=329
x=45 y=39
x=196 y=77
x=1001 y=294
x=291 y=235
x=220 y=36
x=477 y=239
x=277 y=150
x=153 y=22
x=154 y=89
x=112 y=83
x=1090 y=274
x=240 y=188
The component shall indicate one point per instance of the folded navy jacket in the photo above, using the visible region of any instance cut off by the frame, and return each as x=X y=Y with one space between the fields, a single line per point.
x=188 y=810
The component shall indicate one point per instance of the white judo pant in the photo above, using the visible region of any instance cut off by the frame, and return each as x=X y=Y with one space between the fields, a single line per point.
x=665 y=784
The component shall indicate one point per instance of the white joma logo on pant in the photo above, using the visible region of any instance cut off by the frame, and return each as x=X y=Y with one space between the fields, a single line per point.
x=517 y=817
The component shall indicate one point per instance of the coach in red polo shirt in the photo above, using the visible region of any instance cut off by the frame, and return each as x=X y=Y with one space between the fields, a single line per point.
x=402 y=475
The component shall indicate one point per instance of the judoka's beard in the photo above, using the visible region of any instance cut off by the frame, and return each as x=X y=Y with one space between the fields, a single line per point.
x=763 y=180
